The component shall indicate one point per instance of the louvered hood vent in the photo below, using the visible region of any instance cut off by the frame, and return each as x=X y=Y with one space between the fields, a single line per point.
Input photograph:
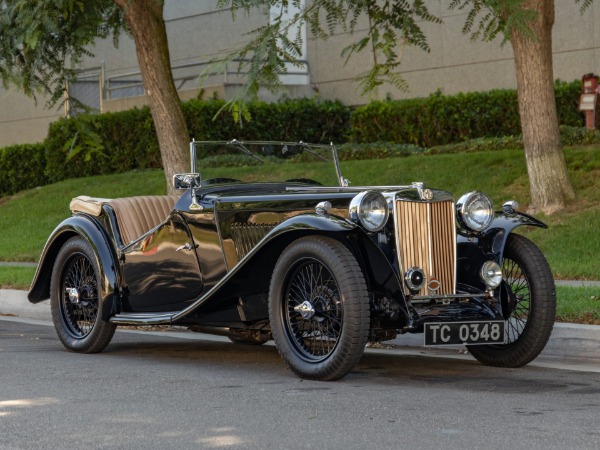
x=247 y=235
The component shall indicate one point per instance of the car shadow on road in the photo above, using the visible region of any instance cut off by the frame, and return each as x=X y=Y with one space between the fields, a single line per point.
x=375 y=369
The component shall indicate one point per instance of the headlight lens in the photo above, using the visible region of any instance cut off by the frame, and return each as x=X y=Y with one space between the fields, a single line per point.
x=475 y=211
x=370 y=210
x=491 y=274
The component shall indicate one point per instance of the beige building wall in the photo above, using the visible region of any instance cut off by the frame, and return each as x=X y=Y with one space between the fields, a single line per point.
x=455 y=63
x=21 y=120
x=198 y=31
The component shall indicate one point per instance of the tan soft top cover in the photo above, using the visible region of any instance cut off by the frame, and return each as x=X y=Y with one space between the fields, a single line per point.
x=89 y=205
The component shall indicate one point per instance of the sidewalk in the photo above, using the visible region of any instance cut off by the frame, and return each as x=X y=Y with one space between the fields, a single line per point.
x=572 y=343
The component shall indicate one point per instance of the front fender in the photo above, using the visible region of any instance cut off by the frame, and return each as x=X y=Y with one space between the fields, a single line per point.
x=494 y=239
x=474 y=250
x=91 y=230
x=381 y=276
x=378 y=271
x=255 y=269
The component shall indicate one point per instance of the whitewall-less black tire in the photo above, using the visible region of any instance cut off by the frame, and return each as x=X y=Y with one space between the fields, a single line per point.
x=75 y=299
x=529 y=286
x=319 y=308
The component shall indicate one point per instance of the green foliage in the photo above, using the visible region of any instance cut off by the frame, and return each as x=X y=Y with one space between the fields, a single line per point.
x=441 y=120
x=117 y=142
x=372 y=150
x=578 y=136
x=21 y=167
x=346 y=152
x=377 y=150
x=585 y=4
x=438 y=119
x=41 y=42
x=479 y=145
x=235 y=160
x=392 y=25
x=567 y=103
x=307 y=120
x=578 y=304
x=108 y=143
x=487 y=19
x=16 y=277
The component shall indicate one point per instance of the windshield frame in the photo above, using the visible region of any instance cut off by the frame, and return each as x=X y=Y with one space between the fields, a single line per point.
x=242 y=146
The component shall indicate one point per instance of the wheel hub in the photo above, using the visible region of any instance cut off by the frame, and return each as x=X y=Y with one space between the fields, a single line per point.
x=305 y=309
x=74 y=296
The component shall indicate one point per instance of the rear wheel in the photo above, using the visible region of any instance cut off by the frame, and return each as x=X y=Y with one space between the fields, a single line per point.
x=529 y=300
x=75 y=299
x=319 y=308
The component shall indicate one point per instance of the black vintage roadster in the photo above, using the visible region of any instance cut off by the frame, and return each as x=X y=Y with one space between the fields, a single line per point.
x=320 y=270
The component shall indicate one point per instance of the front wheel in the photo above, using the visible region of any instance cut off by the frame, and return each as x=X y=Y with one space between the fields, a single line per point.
x=529 y=298
x=319 y=308
x=75 y=299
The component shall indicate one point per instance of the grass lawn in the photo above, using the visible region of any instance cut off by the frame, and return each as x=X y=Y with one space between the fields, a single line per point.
x=12 y=277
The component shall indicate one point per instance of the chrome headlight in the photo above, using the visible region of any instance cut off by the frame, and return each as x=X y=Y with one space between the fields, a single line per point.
x=370 y=210
x=475 y=211
x=491 y=274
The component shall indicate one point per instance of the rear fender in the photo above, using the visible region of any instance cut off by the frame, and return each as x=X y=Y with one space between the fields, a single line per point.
x=91 y=230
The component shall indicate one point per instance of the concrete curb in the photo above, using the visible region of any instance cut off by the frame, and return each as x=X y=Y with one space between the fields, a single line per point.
x=569 y=342
x=15 y=303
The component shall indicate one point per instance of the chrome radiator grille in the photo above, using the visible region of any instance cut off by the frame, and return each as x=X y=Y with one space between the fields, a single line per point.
x=426 y=238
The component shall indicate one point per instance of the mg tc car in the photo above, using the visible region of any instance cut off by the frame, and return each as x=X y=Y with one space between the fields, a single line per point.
x=321 y=270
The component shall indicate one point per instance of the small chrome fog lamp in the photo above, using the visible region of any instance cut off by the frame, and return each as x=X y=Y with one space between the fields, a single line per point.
x=491 y=274
x=414 y=279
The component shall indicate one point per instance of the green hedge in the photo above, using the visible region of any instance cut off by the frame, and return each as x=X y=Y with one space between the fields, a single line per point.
x=307 y=120
x=117 y=142
x=440 y=120
x=22 y=167
x=122 y=141
x=110 y=142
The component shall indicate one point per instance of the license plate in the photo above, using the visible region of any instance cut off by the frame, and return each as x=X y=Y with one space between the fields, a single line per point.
x=468 y=333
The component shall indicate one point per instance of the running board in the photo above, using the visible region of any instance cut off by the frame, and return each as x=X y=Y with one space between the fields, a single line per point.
x=162 y=318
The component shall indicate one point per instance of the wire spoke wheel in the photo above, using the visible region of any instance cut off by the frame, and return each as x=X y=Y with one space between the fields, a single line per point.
x=313 y=310
x=75 y=299
x=319 y=308
x=79 y=299
x=529 y=303
x=520 y=299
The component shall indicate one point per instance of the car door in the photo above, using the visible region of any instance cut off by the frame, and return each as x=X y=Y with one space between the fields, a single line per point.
x=161 y=269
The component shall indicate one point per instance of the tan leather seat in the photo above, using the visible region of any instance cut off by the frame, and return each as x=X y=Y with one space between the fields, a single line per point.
x=135 y=215
x=138 y=215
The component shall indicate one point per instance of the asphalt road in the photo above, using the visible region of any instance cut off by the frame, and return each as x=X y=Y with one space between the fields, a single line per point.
x=157 y=391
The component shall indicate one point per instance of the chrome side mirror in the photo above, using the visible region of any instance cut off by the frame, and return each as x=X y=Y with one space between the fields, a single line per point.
x=183 y=181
